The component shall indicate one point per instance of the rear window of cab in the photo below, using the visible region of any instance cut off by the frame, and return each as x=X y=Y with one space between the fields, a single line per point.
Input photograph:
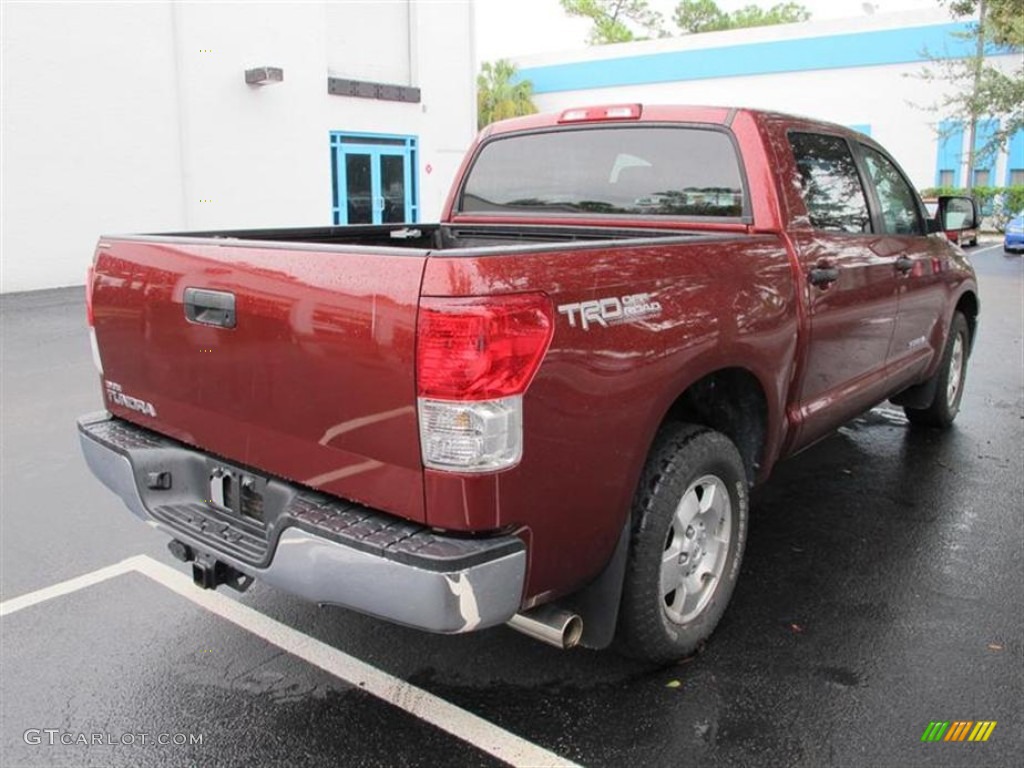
x=628 y=170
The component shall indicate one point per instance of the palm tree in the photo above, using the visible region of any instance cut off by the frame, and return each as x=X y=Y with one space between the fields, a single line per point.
x=499 y=95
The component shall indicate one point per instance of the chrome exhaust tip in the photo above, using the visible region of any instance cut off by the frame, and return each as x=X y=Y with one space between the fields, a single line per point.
x=550 y=624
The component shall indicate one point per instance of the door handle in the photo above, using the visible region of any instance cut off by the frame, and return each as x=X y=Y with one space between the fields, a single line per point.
x=823 y=276
x=904 y=264
x=205 y=307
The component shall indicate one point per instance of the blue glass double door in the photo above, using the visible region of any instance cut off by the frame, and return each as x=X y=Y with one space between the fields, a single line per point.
x=374 y=180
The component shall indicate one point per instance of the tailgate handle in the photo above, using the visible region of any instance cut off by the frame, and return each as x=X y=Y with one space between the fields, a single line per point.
x=205 y=307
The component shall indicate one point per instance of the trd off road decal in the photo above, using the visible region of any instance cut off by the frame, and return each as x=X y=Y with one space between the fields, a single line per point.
x=611 y=311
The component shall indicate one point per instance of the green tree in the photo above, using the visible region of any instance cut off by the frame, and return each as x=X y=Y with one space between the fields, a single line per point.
x=1004 y=18
x=616 y=21
x=499 y=95
x=693 y=16
x=976 y=88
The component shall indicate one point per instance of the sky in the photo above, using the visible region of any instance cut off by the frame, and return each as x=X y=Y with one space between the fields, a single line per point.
x=508 y=28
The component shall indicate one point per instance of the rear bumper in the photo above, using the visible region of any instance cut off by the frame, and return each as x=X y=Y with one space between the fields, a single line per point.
x=320 y=548
x=1013 y=241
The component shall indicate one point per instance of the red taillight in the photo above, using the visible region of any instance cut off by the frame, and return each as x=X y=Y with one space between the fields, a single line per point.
x=88 y=296
x=481 y=348
x=614 y=112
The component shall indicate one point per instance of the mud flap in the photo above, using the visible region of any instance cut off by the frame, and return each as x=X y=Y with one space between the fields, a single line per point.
x=598 y=602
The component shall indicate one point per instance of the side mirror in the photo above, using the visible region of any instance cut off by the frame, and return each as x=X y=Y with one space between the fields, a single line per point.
x=956 y=214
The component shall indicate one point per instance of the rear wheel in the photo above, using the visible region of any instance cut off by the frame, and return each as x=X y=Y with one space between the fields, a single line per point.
x=689 y=528
x=951 y=376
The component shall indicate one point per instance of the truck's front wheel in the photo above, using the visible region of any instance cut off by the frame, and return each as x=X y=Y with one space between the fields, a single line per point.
x=689 y=528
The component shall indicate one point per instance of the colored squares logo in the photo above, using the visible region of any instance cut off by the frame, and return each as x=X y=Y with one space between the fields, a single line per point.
x=958 y=730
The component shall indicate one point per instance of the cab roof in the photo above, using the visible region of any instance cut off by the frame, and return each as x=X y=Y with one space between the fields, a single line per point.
x=662 y=113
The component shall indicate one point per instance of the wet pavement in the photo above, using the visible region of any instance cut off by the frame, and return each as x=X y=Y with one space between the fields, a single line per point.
x=882 y=589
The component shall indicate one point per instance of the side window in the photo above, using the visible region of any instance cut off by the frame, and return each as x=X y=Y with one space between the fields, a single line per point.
x=899 y=203
x=830 y=184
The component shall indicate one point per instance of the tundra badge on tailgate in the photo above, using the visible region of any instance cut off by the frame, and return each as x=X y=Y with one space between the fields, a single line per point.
x=116 y=395
x=611 y=311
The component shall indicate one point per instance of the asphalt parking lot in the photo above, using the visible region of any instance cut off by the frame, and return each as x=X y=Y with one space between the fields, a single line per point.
x=882 y=589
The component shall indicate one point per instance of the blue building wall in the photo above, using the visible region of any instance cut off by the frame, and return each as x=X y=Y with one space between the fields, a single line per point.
x=1015 y=159
x=860 y=49
x=950 y=153
x=983 y=134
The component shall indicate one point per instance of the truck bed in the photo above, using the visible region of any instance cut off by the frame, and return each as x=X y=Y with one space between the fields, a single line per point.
x=313 y=380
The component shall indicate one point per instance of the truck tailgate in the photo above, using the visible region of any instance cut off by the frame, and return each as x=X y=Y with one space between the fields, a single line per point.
x=312 y=379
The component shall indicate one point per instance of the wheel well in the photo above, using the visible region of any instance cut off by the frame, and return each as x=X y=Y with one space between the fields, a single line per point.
x=968 y=306
x=730 y=401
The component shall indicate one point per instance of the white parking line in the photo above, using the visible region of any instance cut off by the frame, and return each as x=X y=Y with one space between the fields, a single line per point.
x=982 y=248
x=69 y=586
x=464 y=725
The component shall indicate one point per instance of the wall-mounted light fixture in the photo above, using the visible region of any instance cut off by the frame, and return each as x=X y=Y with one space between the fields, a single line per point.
x=264 y=75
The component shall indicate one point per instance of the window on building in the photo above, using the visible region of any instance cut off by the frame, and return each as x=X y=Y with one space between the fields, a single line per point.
x=1015 y=159
x=829 y=183
x=899 y=203
x=984 y=166
x=950 y=153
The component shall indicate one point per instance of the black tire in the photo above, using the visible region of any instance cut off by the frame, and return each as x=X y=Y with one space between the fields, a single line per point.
x=684 y=456
x=946 y=403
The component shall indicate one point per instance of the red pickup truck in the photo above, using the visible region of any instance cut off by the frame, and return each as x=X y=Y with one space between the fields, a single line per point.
x=546 y=410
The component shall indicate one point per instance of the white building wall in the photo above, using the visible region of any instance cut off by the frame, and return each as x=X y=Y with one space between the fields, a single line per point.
x=255 y=156
x=446 y=43
x=90 y=134
x=136 y=117
x=373 y=45
x=889 y=98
